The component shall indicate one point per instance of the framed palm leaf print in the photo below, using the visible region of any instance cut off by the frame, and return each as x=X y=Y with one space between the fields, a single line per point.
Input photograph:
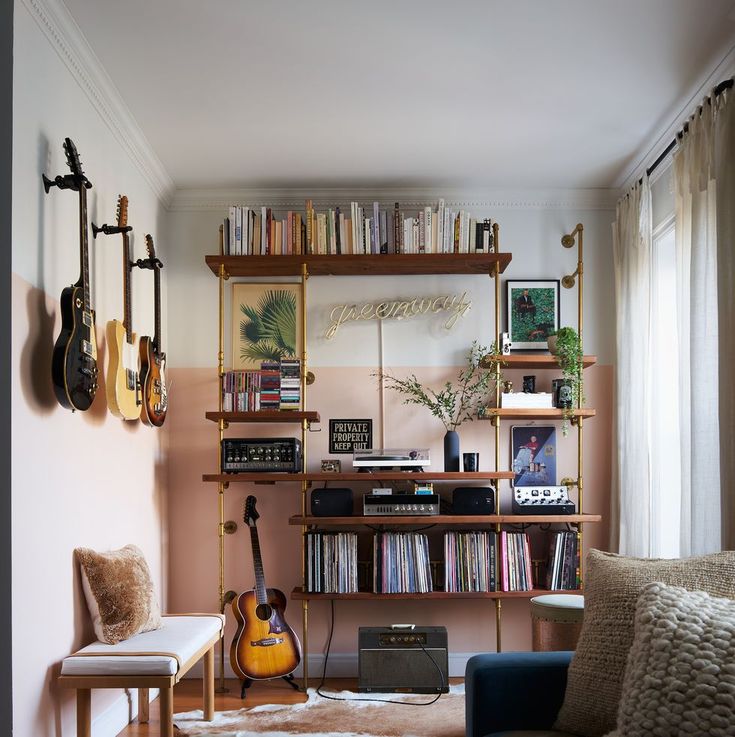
x=266 y=323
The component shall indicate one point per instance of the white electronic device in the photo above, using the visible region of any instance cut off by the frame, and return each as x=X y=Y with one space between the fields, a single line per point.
x=542 y=500
x=404 y=459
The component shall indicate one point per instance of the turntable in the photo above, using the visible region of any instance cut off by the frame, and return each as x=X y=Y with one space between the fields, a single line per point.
x=371 y=460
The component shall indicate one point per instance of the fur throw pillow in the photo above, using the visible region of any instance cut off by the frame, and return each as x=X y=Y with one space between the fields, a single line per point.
x=119 y=593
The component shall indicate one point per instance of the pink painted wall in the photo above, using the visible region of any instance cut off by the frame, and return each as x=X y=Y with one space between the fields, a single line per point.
x=341 y=392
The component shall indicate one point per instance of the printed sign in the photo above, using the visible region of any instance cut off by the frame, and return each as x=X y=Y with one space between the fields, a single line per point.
x=345 y=436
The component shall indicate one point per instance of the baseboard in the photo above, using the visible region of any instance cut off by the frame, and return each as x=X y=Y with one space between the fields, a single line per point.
x=119 y=713
x=340 y=665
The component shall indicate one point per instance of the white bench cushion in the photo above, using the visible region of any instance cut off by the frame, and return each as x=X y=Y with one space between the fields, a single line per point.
x=181 y=636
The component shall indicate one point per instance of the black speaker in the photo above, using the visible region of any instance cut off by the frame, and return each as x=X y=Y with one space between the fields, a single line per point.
x=331 y=502
x=473 y=500
x=394 y=660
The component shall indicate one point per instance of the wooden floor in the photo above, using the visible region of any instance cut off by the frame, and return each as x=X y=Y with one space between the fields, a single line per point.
x=188 y=696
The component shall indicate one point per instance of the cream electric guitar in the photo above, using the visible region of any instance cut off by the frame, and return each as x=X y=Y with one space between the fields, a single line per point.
x=123 y=385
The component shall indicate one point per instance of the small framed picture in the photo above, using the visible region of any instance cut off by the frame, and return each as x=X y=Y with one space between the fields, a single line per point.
x=534 y=455
x=533 y=312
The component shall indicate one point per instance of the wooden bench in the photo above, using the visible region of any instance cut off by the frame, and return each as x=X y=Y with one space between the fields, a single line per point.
x=156 y=659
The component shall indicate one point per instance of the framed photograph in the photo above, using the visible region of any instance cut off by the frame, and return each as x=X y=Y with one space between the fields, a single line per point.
x=533 y=455
x=533 y=312
x=266 y=323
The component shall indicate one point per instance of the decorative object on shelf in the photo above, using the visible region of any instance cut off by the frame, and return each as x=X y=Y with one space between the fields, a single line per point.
x=330 y=465
x=529 y=384
x=471 y=462
x=347 y=436
x=533 y=312
x=533 y=455
x=505 y=343
x=507 y=387
x=266 y=323
x=569 y=355
x=454 y=403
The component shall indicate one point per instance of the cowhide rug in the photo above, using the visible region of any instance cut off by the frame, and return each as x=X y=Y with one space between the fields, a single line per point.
x=355 y=717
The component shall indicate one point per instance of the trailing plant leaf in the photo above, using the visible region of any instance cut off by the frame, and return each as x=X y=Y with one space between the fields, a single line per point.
x=570 y=358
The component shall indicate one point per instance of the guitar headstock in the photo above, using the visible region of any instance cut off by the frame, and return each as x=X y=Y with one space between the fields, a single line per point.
x=72 y=158
x=250 y=514
x=122 y=211
x=150 y=247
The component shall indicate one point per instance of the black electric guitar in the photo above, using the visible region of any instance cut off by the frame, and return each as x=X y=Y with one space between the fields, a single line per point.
x=152 y=358
x=264 y=645
x=74 y=361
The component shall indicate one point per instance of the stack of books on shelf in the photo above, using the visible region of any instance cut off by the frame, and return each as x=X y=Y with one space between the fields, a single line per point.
x=276 y=385
x=526 y=400
x=249 y=231
x=469 y=560
x=562 y=569
x=401 y=563
x=331 y=562
x=515 y=562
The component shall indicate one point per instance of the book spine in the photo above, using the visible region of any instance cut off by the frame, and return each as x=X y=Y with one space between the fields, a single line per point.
x=428 y=230
x=440 y=227
x=383 y=232
x=396 y=228
x=339 y=220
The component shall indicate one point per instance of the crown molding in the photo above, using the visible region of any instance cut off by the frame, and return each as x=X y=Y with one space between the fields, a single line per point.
x=686 y=105
x=206 y=200
x=67 y=39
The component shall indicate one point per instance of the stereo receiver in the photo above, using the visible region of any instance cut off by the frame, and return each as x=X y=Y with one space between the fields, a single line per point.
x=400 y=504
x=243 y=455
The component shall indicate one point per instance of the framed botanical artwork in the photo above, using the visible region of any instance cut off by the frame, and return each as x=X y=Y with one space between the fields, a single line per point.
x=533 y=312
x=266 y=323
x=534 y=455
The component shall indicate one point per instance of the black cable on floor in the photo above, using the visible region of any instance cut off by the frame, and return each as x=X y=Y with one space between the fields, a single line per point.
x=382 y=701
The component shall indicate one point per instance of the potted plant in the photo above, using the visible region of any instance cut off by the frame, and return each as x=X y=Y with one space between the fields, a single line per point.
x=454 y=402
x=567 y=347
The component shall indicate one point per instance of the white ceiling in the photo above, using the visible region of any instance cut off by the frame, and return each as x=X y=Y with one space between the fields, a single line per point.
x=562 y=93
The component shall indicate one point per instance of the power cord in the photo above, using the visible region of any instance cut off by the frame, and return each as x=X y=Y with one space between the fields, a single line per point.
x=382 y=701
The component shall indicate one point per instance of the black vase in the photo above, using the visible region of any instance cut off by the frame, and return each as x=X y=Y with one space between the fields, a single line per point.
x=451 y=451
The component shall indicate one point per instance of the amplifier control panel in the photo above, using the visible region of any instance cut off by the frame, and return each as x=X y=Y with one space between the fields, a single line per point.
x=243 y=455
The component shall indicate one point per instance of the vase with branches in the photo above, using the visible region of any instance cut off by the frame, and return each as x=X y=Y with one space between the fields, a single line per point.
x=453 y=404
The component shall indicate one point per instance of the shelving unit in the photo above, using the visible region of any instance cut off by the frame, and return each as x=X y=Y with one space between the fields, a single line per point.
x=303 y=266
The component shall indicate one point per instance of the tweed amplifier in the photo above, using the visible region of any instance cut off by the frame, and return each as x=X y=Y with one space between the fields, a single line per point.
x=243 y=455
x=403 y=658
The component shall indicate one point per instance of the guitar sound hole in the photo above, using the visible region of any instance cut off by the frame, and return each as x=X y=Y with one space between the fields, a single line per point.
x=264 y=612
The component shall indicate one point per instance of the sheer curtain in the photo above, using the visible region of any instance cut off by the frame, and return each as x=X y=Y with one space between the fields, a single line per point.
x=631 y=513
x=701 y=326
x=705 y=217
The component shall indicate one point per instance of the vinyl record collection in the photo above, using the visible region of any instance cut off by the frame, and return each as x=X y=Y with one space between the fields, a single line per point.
x=469 y=559
x=331 y=562
x=401 y=563
x=515 y=562
x=257 y=231
x=562 y=571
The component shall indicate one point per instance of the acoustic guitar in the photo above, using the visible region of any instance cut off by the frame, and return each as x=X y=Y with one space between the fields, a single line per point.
x=123 y=387
x=74 y=360
x=264 y=645
x=152 y=358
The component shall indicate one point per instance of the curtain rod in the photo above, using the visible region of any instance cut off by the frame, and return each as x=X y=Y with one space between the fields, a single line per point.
x=721 y=87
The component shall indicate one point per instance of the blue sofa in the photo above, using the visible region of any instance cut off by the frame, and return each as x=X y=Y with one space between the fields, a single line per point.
x=514 y=691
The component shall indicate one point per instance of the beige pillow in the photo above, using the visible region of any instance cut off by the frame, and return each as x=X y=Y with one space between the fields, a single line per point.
x=119 y=593
x=680 y=678
x=613 y=584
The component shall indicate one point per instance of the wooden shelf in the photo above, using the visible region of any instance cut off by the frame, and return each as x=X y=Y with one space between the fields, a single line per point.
x=525 y=413
x=264 y=416
x=531 y=361
x=298 y=594
x=445 y=519
x=361 y=264
x=356 y=476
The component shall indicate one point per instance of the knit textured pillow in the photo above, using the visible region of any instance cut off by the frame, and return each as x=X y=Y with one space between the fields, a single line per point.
x=680 y=678
x=119 y=593
x=613 y=584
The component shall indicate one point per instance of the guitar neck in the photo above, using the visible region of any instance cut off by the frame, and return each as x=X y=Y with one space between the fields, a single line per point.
x=260 y=593
x=84 y=247
x=157 y=300
x=127 y=297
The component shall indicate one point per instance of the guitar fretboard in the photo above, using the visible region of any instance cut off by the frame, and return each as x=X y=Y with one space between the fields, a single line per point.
x=157 y=300
x=128 y=319
x=84 y=247
x=260 y=594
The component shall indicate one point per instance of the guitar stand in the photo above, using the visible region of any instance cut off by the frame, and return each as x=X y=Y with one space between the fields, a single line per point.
x=247 y=682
